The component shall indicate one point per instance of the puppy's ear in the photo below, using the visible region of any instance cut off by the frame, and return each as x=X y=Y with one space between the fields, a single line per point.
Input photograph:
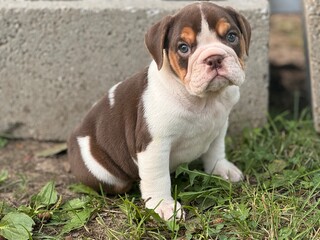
x=156 y=39
x=243 y=25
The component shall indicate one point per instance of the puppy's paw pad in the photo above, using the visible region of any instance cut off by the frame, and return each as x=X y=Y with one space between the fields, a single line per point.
x=228 y=171
x=166 y=209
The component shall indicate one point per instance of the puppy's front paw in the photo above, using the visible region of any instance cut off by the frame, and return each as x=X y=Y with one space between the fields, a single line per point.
x=228 y=171
x=165 y=208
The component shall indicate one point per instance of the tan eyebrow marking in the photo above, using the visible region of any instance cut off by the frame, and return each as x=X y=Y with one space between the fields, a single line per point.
x=243 y=47
x=173 y=58
x=188 y=35
x=222 y=27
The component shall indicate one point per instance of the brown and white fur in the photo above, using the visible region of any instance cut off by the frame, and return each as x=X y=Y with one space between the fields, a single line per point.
x=174 y=111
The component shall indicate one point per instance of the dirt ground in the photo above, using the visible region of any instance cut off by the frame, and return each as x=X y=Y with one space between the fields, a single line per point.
x=28 y=173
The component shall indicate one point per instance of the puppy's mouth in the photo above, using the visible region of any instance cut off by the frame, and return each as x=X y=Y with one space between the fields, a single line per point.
x=218 y=76
x=218 y=81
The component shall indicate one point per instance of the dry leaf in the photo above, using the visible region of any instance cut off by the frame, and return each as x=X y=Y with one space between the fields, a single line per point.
x=49 y=152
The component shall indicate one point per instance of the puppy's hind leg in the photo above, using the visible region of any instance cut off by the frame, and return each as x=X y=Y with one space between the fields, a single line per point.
x=88 y=171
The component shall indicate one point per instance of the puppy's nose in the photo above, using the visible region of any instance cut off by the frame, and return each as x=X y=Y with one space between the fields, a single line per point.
x=214 y=61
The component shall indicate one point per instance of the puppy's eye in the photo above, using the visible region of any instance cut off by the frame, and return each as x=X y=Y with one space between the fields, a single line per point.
x=232 y=37
x=183 y=49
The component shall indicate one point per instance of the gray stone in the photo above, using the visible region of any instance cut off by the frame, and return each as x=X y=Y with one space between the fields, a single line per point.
x=312 y=20
x=59 y=57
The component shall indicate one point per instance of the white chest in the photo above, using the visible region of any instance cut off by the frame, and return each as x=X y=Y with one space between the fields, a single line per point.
x=193 y=137
x=186 y=128
x=189 y=133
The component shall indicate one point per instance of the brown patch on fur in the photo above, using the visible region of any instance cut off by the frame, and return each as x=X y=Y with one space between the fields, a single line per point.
x=173 y=58
x=116 y=134
x=188 y=35
x=243 y=50
x=155 y=39
x=222 y=27
x=243 y=25
x=241 y=61
x=215 y=14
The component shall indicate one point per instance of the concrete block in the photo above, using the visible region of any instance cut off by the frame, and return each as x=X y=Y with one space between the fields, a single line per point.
x=312 y=20
x=59 y=57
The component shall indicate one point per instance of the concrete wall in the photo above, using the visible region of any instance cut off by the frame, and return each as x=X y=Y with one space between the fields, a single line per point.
x=58 y=57
x=312 y=20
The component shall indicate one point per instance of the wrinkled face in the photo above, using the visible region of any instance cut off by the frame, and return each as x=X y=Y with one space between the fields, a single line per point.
x=205 y=45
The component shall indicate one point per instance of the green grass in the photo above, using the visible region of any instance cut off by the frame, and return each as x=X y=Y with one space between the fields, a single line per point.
x=3 y=142
x=279 y=198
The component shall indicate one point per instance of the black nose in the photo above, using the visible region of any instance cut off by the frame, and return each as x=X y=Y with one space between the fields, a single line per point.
x=214 y=61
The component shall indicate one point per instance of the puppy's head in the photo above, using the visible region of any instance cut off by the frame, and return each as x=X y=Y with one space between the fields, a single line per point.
x=204 y=44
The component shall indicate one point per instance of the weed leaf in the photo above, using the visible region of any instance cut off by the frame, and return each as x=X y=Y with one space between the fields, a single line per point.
x=173 y=225
x=26 y=209
x=15 y=226
x=155 y=216
x=77 y=219
x=192 y=174
x=190 y=196
x=76 y=203
x=181 y=169
x=5 y=208
x=47 y=196
x=3 y=176
x=81 y=188
x=277 y=166
x=316 y=180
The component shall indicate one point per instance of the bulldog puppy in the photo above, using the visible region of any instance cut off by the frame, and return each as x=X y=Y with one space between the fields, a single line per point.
x=174 y=111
